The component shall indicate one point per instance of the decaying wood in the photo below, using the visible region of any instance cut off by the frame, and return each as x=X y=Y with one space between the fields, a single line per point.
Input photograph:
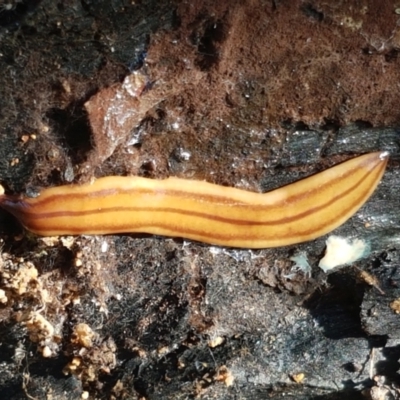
x=147 y=317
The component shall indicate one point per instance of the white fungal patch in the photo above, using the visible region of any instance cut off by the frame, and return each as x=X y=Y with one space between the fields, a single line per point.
x=301 y=263
x=342 y=251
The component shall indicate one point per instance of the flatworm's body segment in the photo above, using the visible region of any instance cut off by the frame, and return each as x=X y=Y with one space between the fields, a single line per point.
x=203 y=211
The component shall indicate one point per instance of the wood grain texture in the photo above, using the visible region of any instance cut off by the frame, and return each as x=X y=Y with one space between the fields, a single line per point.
x=202 y=211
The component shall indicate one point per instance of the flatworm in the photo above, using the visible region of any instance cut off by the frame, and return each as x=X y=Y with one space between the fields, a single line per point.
x=202 y=211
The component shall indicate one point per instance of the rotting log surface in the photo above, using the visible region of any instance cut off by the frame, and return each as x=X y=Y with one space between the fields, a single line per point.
x=161 y=318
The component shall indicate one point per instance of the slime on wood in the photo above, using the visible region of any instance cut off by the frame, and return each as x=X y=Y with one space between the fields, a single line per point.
x=205 y=212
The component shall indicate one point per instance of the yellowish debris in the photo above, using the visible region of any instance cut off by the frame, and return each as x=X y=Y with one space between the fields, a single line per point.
x=224 y=375
x=298 y=378
x=24 y=279
x=395 y=306
x=83 y=335
x=39 y=327
x=216 y=341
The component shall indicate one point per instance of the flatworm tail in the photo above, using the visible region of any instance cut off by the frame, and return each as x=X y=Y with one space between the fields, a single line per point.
x=203 y=211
